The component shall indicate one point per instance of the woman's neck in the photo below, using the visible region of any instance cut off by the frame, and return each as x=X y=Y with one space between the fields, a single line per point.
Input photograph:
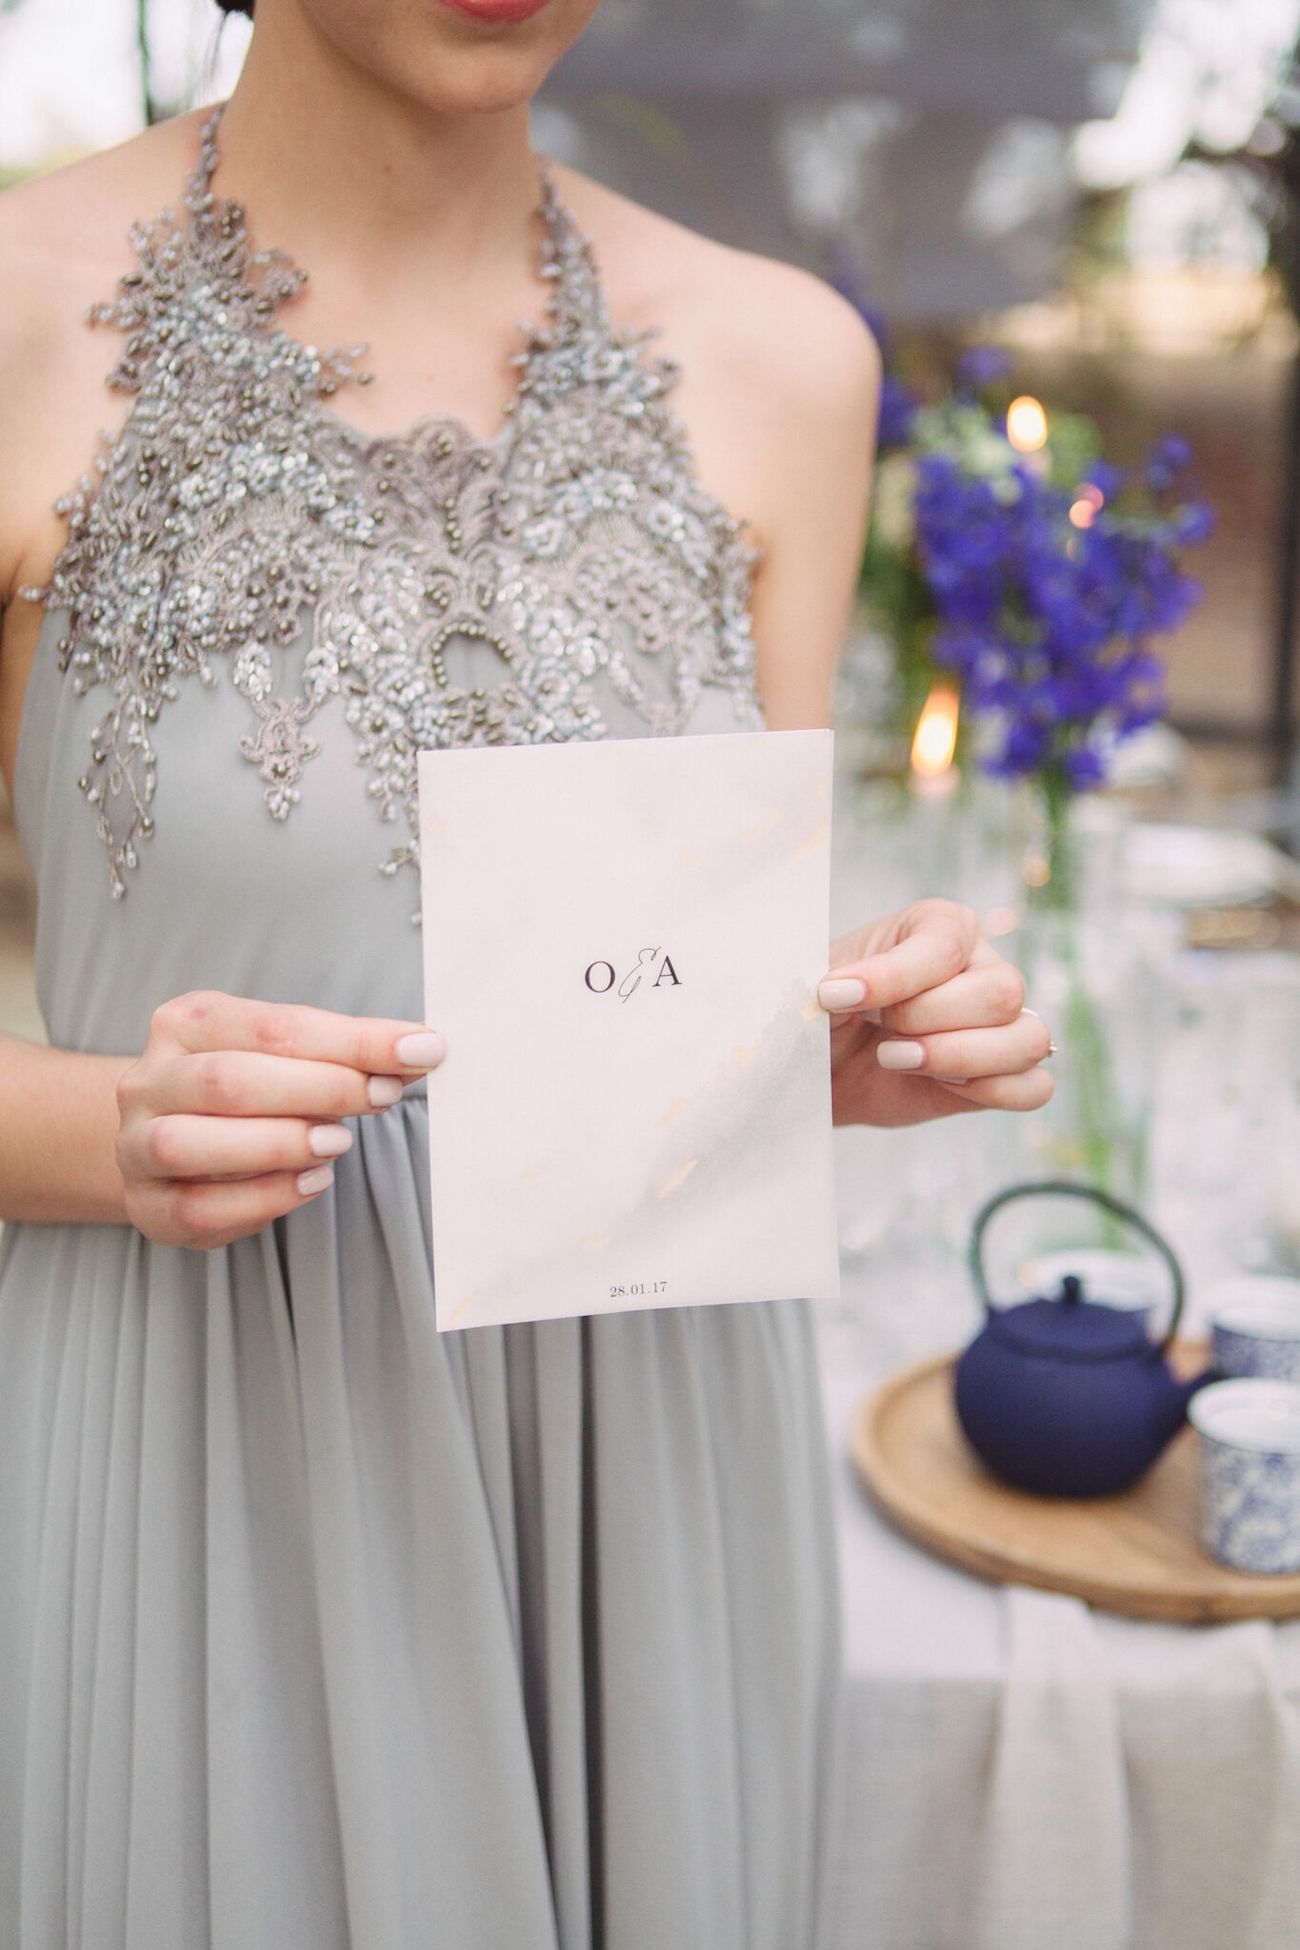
x=336 y=167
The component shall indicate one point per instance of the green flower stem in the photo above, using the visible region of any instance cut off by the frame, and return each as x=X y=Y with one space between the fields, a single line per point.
x=1091 y=1067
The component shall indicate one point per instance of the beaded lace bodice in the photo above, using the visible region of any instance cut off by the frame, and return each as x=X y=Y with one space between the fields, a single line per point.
x=234 y=508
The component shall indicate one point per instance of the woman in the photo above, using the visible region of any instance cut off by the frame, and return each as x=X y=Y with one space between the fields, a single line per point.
x=318 y=1628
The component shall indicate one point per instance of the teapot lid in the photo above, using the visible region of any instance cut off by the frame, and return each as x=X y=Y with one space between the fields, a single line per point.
x=1071 y=1327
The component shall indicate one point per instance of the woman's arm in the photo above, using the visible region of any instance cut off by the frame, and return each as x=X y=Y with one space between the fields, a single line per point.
x=816 y=385
x=153 y=1138
x=58 y=1130
x=929 y=1017
x=58 y=1112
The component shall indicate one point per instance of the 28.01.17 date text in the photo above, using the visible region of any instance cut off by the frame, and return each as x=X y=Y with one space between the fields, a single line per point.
x=637 y=1288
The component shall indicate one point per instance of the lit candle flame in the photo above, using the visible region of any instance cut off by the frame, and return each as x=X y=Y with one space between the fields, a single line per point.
x=936 y=733
x=1026 y=424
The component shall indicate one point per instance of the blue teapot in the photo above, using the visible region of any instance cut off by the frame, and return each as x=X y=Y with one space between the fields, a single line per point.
x=1066 y=1396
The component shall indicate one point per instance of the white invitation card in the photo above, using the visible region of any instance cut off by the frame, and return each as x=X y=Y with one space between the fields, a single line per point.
x=622 y=942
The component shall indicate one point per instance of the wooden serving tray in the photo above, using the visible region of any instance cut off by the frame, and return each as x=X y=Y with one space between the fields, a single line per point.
x=1137 y=1553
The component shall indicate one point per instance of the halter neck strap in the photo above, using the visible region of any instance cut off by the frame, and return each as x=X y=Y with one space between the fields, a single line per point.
x=567 y=253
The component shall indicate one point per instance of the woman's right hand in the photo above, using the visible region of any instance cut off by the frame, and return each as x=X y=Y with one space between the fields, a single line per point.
x=226 y=1114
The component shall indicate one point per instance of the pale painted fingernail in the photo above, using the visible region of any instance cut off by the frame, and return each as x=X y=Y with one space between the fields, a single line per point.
x=841 y=992
x=328 y=1140
x=898 y=1055
x=316 y=1179
x=420 y=1050
x=383 y=1091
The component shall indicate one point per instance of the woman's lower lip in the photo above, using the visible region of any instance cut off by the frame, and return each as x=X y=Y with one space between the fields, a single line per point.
x=495 y=10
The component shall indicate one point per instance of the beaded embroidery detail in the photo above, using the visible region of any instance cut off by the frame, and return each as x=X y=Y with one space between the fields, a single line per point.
x=577 y=540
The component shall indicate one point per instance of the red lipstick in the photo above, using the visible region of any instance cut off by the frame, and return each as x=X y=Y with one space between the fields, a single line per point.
x=493 y=11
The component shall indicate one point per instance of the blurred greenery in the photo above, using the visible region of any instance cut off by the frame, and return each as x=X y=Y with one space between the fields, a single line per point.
x=152 y=109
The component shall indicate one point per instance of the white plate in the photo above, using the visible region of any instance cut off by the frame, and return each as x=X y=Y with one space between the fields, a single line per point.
x=1197 y=866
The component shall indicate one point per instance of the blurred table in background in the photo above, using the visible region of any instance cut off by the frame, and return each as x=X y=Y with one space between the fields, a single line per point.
x=1023 y=1772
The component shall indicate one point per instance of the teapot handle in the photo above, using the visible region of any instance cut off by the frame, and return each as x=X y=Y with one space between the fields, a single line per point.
x=1032 y=1187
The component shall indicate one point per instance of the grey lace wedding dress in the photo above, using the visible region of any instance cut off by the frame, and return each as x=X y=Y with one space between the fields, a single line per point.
x=318 y=1629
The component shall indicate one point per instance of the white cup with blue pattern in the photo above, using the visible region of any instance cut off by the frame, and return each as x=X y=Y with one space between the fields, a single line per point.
x=1255 y=1326
x=1249 y=1440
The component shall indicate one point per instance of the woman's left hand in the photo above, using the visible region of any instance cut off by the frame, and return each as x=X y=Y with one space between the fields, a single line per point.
x=927 y=1019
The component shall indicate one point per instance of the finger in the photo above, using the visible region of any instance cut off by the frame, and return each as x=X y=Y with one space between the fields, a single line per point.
x=208 y=1019
x=236 y=1083
x=1027 y=1090
x=211 y=1212
x=188 y=1146
x=979 y=997
x=938 y=945
x=1003 y=1050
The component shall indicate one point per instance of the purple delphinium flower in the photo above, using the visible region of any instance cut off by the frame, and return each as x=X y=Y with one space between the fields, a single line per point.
x=980 y=366
x=1107 y=480
x=1084 y=767
x=1170 y=457
x=1047 y=623
x=1192 y=523
x=897 y=412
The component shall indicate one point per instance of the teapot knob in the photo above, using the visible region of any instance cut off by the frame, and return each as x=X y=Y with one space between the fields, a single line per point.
x=1071 y=1285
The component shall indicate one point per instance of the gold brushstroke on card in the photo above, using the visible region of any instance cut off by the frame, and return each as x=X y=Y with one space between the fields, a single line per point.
x=765 y=824
x=678 y=1178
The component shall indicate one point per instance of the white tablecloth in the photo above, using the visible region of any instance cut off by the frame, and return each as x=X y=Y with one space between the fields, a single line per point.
x=1024 y=1773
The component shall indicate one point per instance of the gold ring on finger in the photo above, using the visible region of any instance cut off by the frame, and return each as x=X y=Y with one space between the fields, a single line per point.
x=1051 y=1049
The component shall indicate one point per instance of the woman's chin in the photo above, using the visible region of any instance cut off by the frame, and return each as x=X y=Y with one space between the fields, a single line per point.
x=454 y=56
x=479 y=86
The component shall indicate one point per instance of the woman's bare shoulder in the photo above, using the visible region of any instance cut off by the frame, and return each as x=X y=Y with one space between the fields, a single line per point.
x=67 y=224
x=780 y=375
x=64 y=243
x=778 y=324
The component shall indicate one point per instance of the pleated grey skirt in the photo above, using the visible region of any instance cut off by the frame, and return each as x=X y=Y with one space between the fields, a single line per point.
x=320 y=1629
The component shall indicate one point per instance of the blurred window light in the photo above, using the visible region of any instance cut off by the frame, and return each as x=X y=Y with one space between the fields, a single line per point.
x=1199 y=214
x=1151 y=129
x=1207 y=71
x=827 y=155
x=70 y=75
x=1022 y=170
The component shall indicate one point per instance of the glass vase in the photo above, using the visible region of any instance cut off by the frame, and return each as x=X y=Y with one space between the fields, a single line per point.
x=1093 y=979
